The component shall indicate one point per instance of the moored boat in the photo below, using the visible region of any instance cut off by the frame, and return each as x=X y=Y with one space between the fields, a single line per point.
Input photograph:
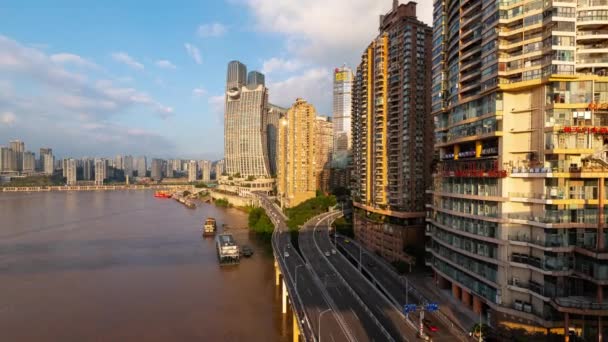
x=209 y=227
x=162 y=194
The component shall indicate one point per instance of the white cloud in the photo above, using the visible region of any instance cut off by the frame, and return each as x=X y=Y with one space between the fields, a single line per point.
x=36 y=89
x=211 y=30
x=8 y=118
x=216 y=104
x=193 y=52
x=325 y=34
x=312 y=86
x=199 y=92
x=124 y=58
x=69 y=58
x=280 y=65
x=165 y=64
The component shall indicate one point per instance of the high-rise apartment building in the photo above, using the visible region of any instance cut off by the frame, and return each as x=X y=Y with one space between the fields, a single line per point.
x=192 y=171
x=43 y=151
x=177 y=165
x=127 y=163
x=517 y=220
x=156 y=169
x=6 y=159
x=296 y=176
x=64 y=167
x=87 y=169
x=342 y=109
x=142 y=166
x=245 y=122
x=220 y=166
x=205 y=167
x=169 y=169
x=71 y=171
x=324 y=138
x=275 y=113
x=49 y=164
x=29 y=162
x=101 y=166
x=392 y=136
x=119 y=162
x=18 y=148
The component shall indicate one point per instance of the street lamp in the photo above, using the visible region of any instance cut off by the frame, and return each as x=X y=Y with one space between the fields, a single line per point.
x=321 y=314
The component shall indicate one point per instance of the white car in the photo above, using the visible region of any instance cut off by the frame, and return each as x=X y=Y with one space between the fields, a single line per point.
x=286 y=254
x=333 y=251
x=327 y=254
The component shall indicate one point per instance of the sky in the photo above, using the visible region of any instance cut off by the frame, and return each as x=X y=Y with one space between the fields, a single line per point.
x=102 y=78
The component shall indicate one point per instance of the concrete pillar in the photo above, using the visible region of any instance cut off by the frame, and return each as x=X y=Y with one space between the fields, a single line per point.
x=466 y=299
x=455 y=291
x=296 y=329
x=477 y=305
x=599 y=329
x=442 y=282
x=277 y=273
x=566 y=327
x=284 y=298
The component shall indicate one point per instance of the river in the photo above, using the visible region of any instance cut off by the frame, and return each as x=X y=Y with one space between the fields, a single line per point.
x=125 y=266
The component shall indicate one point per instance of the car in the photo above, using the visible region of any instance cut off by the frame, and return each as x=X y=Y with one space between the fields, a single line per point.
x=429 y=325
x=286 y=254
x=327 y=254
x=333 y=251
x=346 y=240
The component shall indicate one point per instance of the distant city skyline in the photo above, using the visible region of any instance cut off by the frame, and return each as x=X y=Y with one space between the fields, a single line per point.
x=105 y=85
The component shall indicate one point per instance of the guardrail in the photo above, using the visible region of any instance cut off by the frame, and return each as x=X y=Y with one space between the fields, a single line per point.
x=355 y=295
x=455 y=328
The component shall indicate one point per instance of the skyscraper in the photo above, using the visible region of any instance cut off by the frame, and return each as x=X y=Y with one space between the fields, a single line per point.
x=18 y=148
x=205 y=167
x=101 y=166
x=192 y=171
x=517 y=221
x=275 y=113
x=71 y=171
x=156 y=169
x=87 y=169
x=245 y=123
x=128 y=166
x=392 y=136
x=342 y=109
x=169 y=169
x=44 y=151
x=29 y=162
x=49 y=164
x=6 y=159
x=142 y=166
x=119 y=162
x=220 y=167
x=296 y=177
x=323 y=151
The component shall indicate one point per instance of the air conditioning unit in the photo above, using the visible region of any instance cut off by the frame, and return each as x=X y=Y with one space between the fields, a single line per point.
x=515 y=281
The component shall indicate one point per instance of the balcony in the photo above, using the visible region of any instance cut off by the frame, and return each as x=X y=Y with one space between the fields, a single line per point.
x=530 y=286
x=580 y=216
x=547 y=240
x=548 y=264
x=576 y=304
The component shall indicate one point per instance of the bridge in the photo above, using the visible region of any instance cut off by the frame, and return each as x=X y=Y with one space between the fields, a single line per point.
x=330 y=296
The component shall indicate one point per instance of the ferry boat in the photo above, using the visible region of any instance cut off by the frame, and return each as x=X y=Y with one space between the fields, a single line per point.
x=162 y=194
x=209 y=227
x=227 y=250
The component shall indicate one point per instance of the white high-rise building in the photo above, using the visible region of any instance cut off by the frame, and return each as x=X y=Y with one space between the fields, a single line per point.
x=43 y=151
x=6 y=156
x=119 y=162
x=156 y=169
x=205 y=167
x=71 y=171
x=18 y=148
x=245 y=122
x=142 y=166
x=29 y=162
x=87 y=169
x=49 y=164
x=192 y=171
x=128 y=166
x=342 y=108
x=101 y=166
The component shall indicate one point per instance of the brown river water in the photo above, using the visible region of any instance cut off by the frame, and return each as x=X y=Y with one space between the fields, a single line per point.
x=125 y=266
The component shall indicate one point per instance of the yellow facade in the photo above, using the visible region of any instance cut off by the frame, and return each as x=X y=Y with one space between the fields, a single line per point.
x=297 y=177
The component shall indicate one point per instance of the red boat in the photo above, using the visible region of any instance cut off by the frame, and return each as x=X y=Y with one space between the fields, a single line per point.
x=162 y=194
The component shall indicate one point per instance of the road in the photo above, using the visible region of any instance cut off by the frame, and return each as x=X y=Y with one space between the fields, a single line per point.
x=313 y=298
x=394 y=286
x=357 y=316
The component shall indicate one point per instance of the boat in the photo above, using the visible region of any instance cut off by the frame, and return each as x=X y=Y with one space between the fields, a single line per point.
x=247 y=251
x=209 y=227
x=162 y=194
x=227 y=250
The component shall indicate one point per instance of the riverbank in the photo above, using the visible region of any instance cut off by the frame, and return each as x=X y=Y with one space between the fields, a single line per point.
x=94 y=188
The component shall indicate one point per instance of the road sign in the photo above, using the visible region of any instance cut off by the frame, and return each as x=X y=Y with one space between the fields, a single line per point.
x=431 y=307
x=407 y=308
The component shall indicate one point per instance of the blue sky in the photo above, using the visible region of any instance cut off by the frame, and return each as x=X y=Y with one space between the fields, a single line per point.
x=132 y=77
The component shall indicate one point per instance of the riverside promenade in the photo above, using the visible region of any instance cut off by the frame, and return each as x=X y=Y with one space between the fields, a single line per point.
x=95 y=188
